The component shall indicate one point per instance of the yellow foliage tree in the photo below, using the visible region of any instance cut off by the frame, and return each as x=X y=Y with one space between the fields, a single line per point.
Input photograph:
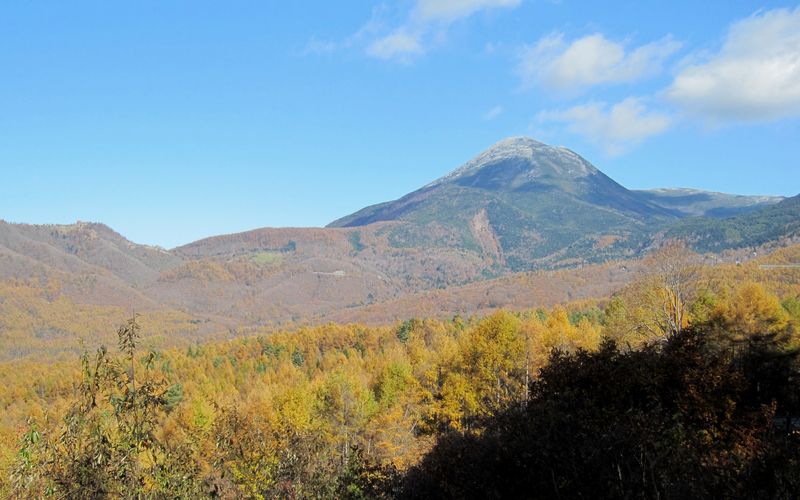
x=751 y=310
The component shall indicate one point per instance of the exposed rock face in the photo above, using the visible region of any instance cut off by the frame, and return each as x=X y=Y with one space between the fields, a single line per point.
x=484 y=233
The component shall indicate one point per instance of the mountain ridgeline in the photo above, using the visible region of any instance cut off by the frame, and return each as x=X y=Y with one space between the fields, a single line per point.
x=773 y=223
x=525 y=204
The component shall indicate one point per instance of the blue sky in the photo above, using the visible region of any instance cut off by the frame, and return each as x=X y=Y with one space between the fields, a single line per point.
x=175 y=120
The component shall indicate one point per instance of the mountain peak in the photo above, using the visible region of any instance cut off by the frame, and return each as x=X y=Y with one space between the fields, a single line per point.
x=519 y=160
x=522 y=178
x=518 y=141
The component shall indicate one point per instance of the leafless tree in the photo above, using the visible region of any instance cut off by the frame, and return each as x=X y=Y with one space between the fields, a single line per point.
x=673 y=272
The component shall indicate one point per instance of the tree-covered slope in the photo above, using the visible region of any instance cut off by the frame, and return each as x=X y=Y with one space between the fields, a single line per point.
x=772 y=223
x=697 y=203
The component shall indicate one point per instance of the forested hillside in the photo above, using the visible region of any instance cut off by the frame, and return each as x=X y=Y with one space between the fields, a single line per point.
x=776 y=222
x=351 y=411
x=697 y=203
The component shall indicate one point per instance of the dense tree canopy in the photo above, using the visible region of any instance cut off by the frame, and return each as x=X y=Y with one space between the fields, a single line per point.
x=685 y=419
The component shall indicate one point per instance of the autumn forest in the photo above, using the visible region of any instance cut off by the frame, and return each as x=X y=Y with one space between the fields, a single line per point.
x=680 y=383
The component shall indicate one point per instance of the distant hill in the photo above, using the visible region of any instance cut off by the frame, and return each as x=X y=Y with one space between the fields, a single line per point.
x=94 y=262
x=686 y=202
x=773 y=223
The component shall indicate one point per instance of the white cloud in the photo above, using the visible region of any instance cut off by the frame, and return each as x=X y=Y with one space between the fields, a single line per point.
x=451 y=10
x=615 y=128
x=397 y=45
x=493 y=113
x=590 y=60
x=754 y=77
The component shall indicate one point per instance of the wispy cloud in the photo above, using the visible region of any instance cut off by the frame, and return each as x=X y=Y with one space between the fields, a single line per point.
x=493 y=113
x=615 y=128
x=448 y=11
x=316 y=46
x=755 y=76
x=427 y=22
x=367 y=32
x=400 y=44
x=424 y=24
x=574 y=66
